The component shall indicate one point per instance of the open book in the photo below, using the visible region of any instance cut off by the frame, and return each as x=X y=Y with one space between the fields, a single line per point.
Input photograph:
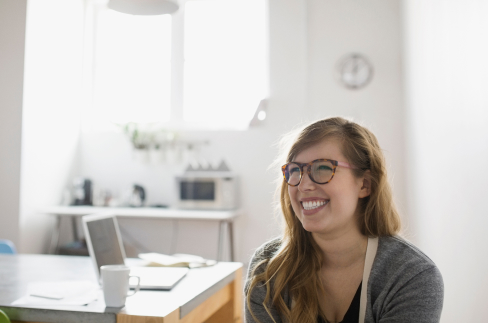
x=176 y=260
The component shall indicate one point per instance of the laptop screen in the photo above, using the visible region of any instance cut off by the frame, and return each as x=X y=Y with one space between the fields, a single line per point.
x=105 y=242
x=105 y=247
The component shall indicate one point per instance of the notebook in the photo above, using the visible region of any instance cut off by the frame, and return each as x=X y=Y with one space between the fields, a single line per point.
x=105 y=247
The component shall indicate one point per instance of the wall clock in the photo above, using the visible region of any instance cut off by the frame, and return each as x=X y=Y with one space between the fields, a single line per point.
x=354 y=71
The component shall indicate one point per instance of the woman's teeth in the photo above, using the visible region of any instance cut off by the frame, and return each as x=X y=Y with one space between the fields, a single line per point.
x=310 y=205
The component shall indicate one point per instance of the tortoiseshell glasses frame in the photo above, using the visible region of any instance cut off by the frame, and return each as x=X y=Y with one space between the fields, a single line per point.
x=286 y=171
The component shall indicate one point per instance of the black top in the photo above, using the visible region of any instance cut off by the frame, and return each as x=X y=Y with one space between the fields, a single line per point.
x=352 y=314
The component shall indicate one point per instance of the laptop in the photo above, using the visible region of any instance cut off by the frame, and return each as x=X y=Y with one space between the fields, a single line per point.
x=105 y=247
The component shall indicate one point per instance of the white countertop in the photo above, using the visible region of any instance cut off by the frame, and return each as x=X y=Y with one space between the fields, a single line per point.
x=144 y=212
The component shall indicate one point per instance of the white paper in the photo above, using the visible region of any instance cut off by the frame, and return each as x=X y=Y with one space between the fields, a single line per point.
x=70 y=292
x=176 y=260
x=189 y=258
x=166 y=260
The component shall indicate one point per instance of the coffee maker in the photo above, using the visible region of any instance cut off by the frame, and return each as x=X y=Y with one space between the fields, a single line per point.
x=82 y=191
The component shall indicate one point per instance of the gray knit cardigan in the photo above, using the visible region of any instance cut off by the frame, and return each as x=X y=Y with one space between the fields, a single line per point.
x=404 y=286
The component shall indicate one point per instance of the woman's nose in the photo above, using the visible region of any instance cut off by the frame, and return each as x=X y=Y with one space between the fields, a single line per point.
x=306 y=184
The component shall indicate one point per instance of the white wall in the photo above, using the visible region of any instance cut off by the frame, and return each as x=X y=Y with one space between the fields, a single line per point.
x=12 y=40
x=51 y=120
x=374 y=29
x=448 y=149
x=40 y=83
x=306 y=40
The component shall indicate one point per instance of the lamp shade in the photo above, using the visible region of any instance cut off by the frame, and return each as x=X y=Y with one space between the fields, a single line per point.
x=144 y=7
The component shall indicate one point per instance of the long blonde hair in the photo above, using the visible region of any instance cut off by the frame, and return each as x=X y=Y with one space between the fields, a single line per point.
x=295 y=266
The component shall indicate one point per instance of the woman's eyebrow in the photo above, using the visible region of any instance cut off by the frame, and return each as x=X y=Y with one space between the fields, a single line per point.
x=296 y=161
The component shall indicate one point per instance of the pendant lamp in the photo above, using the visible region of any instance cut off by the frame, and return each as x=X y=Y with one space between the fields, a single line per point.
x=144 y=7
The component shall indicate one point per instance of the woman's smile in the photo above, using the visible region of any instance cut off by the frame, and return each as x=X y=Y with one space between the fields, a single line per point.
x=312 y=206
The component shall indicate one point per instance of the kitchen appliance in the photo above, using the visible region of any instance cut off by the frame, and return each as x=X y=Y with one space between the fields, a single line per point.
x=207 y=189
x=138 y=196
x=82 y=191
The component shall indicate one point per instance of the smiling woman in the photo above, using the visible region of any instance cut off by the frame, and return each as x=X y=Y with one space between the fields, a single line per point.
x=339 y=258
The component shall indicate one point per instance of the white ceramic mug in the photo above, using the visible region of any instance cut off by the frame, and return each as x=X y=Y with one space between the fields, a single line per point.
x=115 y=282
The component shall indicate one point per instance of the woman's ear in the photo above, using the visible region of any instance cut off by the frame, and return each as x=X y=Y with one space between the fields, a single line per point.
x=366 y=184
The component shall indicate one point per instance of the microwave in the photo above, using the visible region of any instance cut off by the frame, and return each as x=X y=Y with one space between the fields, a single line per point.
x=207 y=191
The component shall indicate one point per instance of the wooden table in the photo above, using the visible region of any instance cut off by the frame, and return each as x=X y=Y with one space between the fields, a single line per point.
x=212 y=294
x=224 y=217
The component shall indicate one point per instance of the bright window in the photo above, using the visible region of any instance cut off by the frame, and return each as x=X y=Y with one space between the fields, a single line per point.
x=204 y=67
x=225 y=68
x=132 y=67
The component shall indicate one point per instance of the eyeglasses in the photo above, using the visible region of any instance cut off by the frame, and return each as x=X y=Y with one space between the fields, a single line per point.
x=320 y=171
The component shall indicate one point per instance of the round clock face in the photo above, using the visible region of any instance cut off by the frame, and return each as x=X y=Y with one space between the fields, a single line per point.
x=355 y=71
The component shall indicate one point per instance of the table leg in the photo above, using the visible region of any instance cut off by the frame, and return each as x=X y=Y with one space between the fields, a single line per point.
x=230 y=228
x=221 y=241
x=74 y=226
x=54 y=245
